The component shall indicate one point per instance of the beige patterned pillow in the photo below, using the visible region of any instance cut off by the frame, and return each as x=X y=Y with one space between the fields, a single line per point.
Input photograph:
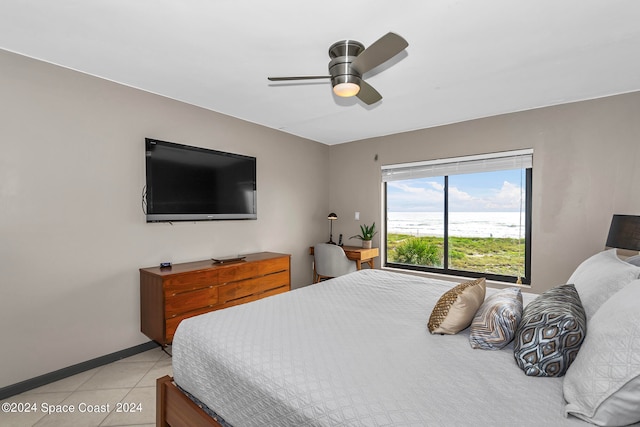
x=455 y=309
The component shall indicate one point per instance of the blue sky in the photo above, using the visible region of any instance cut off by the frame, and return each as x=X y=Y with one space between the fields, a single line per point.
x=482 y=192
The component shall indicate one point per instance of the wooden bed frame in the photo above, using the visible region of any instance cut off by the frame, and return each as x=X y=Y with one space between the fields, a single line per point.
x=174 y=408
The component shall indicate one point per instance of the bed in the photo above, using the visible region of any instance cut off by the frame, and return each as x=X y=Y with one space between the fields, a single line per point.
x=352 y=351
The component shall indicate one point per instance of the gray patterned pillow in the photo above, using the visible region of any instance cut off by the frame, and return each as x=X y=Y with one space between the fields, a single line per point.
x=551 y=332
x=495 y=323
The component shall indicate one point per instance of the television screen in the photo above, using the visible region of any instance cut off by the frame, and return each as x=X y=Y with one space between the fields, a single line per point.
x=187 y=183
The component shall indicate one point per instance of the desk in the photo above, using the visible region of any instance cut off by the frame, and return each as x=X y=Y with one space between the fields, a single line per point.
x=358 y=254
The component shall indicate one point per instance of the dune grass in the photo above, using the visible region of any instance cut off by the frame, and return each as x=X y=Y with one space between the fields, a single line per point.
x=481 y=254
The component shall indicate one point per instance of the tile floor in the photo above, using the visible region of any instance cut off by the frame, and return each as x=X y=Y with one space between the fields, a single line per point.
x=126 y=384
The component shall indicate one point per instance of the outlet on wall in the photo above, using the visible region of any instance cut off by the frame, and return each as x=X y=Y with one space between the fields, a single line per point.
x=357 y=216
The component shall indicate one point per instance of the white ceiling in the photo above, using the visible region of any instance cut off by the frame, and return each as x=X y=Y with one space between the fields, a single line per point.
x=466 y=58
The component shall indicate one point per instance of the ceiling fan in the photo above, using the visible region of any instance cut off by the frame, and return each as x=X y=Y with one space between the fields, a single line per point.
x=350 y=60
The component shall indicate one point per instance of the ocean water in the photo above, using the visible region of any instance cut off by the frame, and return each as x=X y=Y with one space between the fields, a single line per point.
x=461 y=224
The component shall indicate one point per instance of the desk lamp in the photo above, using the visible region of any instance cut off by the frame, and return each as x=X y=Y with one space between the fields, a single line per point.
x=331 y=217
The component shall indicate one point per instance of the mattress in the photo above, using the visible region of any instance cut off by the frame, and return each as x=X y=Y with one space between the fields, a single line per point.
x=355 y=351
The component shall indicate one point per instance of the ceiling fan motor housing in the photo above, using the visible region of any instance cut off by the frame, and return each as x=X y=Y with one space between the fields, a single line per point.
x=342 y=54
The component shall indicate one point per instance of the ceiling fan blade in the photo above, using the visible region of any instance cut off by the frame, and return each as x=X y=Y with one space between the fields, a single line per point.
x=368 y=94
x=281 y=79
x=385 y=48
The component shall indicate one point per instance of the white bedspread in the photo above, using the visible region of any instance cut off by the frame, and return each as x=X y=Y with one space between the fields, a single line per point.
x=355 y=351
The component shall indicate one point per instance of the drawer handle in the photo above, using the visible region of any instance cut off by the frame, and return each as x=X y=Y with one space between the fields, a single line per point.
x=192 y=290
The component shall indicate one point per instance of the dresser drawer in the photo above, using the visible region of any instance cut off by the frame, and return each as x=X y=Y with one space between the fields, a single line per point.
x=239 y=271
x=255 y=297
x=273 y=265
x=189 y=301
x=185 y=282
x=257 y=285
x=172 y=323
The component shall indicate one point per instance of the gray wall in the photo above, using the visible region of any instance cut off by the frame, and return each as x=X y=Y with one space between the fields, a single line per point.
x=586 y=158
x=72 y=231
x=73 y=235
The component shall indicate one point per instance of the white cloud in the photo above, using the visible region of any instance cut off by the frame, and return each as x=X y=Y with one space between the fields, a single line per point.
x=457 y=195
x=507 y=198
x=428 y=197
x=413 y=198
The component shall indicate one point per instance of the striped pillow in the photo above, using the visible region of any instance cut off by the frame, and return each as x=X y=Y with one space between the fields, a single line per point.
x=495 y=323
x=551 y=332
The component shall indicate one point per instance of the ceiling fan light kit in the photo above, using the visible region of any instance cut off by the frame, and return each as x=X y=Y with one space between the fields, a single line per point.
x=346 y=90
x=350 y=60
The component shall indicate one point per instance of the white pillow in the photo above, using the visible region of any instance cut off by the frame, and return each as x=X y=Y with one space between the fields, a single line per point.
x=602 y=385
x=601 y=276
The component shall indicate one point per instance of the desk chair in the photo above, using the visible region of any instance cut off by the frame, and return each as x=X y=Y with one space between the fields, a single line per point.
x=330 y=261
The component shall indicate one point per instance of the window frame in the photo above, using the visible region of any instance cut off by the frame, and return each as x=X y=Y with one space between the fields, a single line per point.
x=445 y=270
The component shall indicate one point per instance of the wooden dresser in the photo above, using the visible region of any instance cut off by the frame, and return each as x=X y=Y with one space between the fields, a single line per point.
x=168 y=295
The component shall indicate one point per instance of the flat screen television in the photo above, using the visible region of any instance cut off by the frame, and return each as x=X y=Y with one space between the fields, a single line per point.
x=185 y=183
